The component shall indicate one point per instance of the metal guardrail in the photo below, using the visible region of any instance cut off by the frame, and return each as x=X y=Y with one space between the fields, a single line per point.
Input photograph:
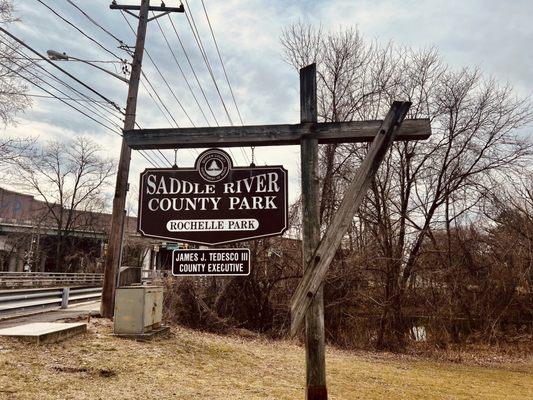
x=43 y=279
x=13 y=301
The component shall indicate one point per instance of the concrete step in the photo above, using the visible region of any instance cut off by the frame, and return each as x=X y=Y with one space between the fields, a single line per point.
x=44 y=332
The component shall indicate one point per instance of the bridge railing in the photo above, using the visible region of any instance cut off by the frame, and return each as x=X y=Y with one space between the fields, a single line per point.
x=22 y=300
x=49 y=279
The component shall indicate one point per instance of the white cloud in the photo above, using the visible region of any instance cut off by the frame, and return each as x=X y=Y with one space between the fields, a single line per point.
x=493 y=34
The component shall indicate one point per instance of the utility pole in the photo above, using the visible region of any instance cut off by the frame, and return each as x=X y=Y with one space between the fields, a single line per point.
x=121 y=189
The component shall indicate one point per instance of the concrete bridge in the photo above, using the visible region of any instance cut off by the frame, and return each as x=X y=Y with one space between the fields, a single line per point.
x=29 y=231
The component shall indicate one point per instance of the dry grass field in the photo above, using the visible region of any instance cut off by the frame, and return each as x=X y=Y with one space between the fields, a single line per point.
x=192 y=365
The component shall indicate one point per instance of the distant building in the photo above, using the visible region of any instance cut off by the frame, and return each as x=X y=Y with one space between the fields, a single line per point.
x=29 y=233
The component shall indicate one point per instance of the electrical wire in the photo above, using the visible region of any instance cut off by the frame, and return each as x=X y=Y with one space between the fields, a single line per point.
x=155 y=102
x=80 y=31
x=42 y=96
x=181 y=70
x=117 y=130
x=92 y=105
x=94 y=22
x=198 y=39
x=59 y=68
x=149 y=159
x=52 y=94
x=162 y=76
x=35 y=76
x=193 y=70
x=159 y=98
x=163 y=158
x=221 y=62
x=153 y=88
x=121 y=43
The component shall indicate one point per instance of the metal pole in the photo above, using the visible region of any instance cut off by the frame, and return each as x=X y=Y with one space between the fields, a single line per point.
x=64 y=297
x=100 y=68
x=121 y=189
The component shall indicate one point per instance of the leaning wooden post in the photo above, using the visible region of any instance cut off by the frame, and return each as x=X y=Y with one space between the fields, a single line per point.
x=314 y=320
x=314 y=275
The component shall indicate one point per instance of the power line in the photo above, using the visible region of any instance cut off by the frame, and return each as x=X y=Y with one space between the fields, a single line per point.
x=121 y=43
x=193 y=71
x=181 y=70
x=148 y=158
x=67 y=97
x=154 y=90
x=198 y=39
x=90 y=105
x=222 y=62
x=145 y=156
x=195 y=74
x=52 y=94
x=155 y=102
x=94 y=22
x=80 y=31
x=42 y=96
x=164 y=158
x=162 y=76
x=71 y=98
x=159 y=98
x=59 y=68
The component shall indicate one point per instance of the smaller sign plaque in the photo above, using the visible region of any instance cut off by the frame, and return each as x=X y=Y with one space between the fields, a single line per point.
x=212 y=262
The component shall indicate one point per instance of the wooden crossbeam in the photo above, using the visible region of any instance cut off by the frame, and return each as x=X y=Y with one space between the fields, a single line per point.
x=315 y=271
x=269 y=135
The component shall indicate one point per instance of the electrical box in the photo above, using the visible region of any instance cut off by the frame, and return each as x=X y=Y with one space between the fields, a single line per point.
x=138 y=309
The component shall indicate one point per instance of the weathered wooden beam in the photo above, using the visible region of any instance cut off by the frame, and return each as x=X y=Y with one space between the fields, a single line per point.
x=316 y=271
x=269 y=135
x=315 y=338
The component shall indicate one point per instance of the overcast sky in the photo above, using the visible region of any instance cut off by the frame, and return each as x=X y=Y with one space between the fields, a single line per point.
x=495 y=35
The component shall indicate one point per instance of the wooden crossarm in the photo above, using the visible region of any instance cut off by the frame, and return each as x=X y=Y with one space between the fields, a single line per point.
x=318 y=266
x=269 y=135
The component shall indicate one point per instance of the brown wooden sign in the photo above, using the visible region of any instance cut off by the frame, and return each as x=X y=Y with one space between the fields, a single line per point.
x=214 y=202
x=212 y=262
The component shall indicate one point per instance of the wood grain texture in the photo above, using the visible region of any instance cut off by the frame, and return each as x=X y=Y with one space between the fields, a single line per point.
x=315 y=348
x=269 y=135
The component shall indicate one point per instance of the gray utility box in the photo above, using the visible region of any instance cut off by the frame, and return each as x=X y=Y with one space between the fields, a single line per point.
x=138 y=309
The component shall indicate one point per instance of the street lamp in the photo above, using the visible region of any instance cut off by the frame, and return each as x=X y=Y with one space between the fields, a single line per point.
x=58 y=56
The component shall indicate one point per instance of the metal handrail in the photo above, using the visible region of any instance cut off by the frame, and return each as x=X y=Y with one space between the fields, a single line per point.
x=12 y=301
x=14 y=279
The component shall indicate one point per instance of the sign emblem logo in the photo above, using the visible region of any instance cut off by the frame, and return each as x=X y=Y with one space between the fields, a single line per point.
x=213 y=165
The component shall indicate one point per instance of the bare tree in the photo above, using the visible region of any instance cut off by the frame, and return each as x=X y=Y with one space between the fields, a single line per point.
x=70 y=179
x=13 y=148
x=422 y=187
x=13 y=89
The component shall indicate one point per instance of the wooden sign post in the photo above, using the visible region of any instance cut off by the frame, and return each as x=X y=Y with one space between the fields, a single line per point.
x=307 y=303
x=315 y=349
